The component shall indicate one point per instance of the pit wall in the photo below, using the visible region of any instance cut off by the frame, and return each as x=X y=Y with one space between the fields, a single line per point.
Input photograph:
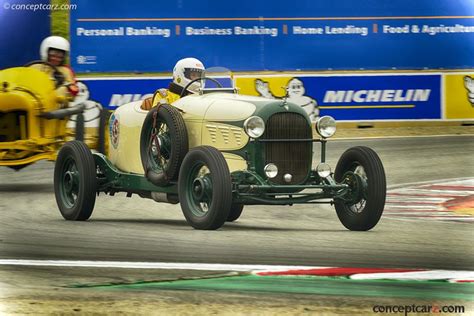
x=351 y=97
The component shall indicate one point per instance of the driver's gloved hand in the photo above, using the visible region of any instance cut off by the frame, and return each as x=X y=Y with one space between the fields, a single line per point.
x=147 y=104
x=59 y=77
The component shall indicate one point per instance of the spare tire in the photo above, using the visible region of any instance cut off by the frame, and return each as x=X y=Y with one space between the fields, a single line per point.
x=163 y=144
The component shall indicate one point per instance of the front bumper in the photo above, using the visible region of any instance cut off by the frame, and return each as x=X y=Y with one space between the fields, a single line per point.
x=323 y=192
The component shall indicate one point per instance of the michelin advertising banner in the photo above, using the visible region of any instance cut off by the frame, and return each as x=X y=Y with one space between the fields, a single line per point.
x=150 y=36
x=354 y=97
x=348 y=97
x=114 y=92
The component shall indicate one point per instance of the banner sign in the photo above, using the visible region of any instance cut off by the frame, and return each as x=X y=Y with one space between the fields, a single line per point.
x=151 y=36
x=113 y=92
x=348 y=97
x=22 y=28
x=354 y=97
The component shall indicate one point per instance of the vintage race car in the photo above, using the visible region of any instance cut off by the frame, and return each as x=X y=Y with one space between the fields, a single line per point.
x=33 y=116
x=215 y=152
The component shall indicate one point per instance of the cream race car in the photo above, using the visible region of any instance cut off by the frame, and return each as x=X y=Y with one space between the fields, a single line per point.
x=215 y=152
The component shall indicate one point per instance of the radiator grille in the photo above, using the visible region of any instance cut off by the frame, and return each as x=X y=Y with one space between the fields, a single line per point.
x=13 y=126
x=290 y=157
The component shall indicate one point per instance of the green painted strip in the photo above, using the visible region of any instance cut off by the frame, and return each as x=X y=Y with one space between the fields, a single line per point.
x=316 y=285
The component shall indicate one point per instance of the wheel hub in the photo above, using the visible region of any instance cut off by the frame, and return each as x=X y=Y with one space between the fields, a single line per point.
x=69 y=180
x=198 y=189
x=357 y=187
x=201 y=188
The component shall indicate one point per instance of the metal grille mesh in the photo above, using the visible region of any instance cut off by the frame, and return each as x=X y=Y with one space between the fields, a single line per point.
x=290 y=157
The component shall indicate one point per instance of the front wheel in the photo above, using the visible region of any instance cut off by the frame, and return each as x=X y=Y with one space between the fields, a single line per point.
x=205 y=188
x=75 y=183
x=361 y=208
x=235 y=212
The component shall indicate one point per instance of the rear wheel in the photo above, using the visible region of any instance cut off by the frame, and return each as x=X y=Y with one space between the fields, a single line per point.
x=75 y=183
x=205 y=188
x=361 y=168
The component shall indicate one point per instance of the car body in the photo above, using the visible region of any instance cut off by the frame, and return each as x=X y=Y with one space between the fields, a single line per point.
x=215 y=152
x=33 y=117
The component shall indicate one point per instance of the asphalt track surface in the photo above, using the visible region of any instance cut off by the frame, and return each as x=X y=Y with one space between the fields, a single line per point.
x=135 y=229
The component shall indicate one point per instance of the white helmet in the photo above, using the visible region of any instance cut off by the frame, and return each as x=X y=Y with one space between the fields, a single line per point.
x=55 y=42
x=186 y=70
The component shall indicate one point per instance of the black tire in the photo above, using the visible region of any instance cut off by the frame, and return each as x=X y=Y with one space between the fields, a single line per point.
x=205 y=188
x=75 y=183
x=363 y=215
x=235 y=212
x=163 y=168
x=80 y=127
x=19 y=167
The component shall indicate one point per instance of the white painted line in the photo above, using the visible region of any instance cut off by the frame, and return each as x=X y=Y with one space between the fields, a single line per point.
x=417 y=275
x=151 y=265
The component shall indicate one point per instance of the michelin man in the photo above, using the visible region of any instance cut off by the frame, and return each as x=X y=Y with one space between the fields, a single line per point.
x=92 y=109
x=295 y=93
x=469 y=84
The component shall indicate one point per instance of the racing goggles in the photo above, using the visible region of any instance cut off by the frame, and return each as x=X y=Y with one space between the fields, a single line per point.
x=193 y=73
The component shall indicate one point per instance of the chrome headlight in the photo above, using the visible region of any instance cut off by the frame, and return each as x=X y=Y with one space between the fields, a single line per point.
x=254 y=126
x=326 y=126
x=271 y=170
x=323 y=170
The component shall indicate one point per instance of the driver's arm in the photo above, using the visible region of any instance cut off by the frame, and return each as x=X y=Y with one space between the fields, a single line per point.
x=160 y=96
x=69 y=88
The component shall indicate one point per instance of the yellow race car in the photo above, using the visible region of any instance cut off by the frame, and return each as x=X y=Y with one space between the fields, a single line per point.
x=33 y=116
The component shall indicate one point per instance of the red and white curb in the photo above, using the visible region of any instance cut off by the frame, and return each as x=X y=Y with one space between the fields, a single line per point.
x=262 y=270
x=451 y=200
x=452 y=276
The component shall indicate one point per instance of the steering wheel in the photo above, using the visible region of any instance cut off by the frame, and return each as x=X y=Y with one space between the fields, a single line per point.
x=58 y=77
x=194 y=80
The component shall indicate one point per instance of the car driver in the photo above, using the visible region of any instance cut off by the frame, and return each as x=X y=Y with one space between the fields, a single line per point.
x=54 y=50
x=184 y=72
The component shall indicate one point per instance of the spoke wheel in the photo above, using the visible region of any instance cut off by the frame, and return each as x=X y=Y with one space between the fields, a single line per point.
x=361 y=208
x=163 y=144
